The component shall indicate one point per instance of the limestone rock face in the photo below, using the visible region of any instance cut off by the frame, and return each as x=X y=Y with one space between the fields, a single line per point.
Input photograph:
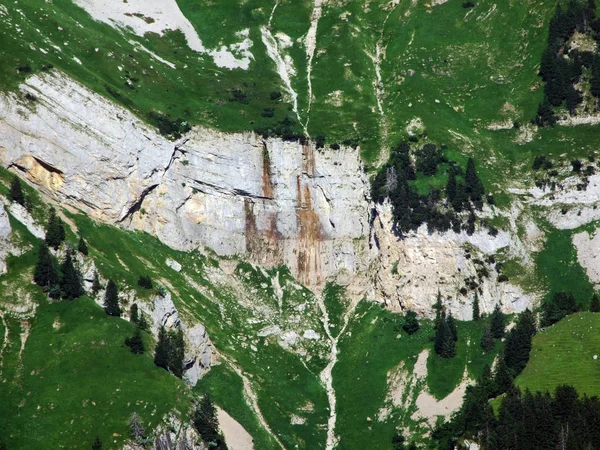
x=273 y=201
x=270 y=201
x=412 y=270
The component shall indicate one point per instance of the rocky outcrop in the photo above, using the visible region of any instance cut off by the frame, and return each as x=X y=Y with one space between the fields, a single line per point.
x=409 y=272
x=275 y=202
x=270 y=201
x=5 y=230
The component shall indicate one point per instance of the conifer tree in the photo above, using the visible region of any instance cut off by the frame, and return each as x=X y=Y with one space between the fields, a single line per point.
x=439 y=308
x=595 y=303
x=452 y=327
x=444 y=345
x=176 y=352
x=134 y=314
x=55 y=231
x=45 y=273
x=97 y=445
x=473 y=184
x=96 y=283
x=207 y=424
x=502 y=376
x=476 y=314
x=487 y=341
x=161 y=353
x=16 y=192
x=411 y=324
x=497 y=323
x=135 y=343
x=111 y=299
x=82 y=247
x=461 y=197
x=451 y=185
x=70 y=281
x=142 y=323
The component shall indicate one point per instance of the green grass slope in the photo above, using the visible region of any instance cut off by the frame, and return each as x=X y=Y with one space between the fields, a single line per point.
x=564 y=354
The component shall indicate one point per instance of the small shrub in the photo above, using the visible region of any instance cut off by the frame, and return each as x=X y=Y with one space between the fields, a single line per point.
x=275 y=95
x=502 y=278
x=468 y=5
x=144 y=281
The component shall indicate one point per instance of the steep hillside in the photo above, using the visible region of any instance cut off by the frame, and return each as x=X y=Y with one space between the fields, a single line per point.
x=294 y=178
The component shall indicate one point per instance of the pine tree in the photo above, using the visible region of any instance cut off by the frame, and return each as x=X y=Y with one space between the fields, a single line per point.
x=82 y=247
x=502 y=376
x=411 y=324
x=142 y=323
x=497 y=323
x=439 y=308
x=207 y=424
x=45 y=273
x=70 y=282
x=461 y=197
x=135 y=343
x=133 y=314
x=161 y=353
x=595 y=303
x=487 y=341
x=16 y=192
x=55 y=230
x=473 y=185
x=451 y=185
x=97 y=445
x=452 y=327
x=145 y=281
x=96 y=283
x=176 y=352
x=111 y=299
x=444 y=345
x=476 y=313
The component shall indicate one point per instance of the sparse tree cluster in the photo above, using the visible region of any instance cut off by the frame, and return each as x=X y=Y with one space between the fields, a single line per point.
x=170 y=351
x=16 y=191
x=561 y=67
x=561 y=305
x=411 y=209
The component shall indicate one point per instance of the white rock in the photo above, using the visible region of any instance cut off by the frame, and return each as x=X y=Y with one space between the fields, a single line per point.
x=311 y=334
x=173 y=264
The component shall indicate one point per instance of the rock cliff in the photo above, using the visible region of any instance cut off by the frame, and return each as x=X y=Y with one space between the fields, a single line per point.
x=270 y=201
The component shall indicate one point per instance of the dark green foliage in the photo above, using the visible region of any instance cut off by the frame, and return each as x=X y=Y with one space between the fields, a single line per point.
x=545 y=115
x=595 y=303
x=576 y=165
x=561 y=305
x=451 y=186
x=452 y=327
x=161 y=353
x=207 y=425
x=136 y=429
x=82 y=247
x=96 y=284
x=176 y=352
x=135 y=343
x=428 y=159
x=411 y=324
x=445 y=344
x=487 y=341
x=111 y=299
x=537 y=421
x=460 y=197
x=170 y=351
x=145 y=282
x=55 y=230
x=398 y=442
x=275 y=95
x=497 y=323
x=518 y=343
x=473 y=185
x=438 y=307
x=45 y=273
x=167 y=126
x=97 y=445
x=476 y=313
x=502 y=376
x=560 y=74
x=142 y=323
x=70 y=280
x=134 y=314
x=16 y=192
